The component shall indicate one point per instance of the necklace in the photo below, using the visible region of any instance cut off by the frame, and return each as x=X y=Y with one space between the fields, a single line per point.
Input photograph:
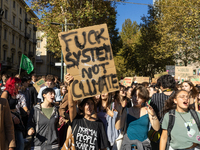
x=86 y=126
x=188 y=127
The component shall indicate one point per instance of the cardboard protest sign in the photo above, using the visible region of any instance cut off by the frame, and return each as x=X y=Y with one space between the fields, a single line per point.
x=121 y=81
x=40 y=83
x=88 y=55
x=153 y=80
x=171 y=70
x=160 y=74
x=141 y=79
x=127 y=81
x=194 y=79
x=181 y=72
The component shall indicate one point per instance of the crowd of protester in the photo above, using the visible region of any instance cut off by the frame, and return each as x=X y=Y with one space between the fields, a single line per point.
x=163 y=115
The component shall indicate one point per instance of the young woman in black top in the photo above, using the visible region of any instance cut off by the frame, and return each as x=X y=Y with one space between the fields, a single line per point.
x=10 y=92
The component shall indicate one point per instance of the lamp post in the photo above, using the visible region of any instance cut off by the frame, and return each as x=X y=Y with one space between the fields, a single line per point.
x=1 y=15
x=61 y=71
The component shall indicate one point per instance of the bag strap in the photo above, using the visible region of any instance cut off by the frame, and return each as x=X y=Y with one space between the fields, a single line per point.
x=170 y=126
x=74 y=129
x=37 y=121
x=196 y=117
x=125 y=125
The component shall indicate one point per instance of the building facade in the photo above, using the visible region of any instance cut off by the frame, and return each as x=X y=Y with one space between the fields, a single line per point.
x=18 y=36
x=45 y=61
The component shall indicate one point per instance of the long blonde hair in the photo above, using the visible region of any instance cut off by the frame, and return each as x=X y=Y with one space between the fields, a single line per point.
x=62 y=86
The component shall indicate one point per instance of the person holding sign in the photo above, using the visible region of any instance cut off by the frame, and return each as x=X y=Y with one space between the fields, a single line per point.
x=89 y=132
x=106 y=113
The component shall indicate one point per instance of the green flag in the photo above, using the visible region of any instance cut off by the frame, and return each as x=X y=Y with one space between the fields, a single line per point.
x=26 y=64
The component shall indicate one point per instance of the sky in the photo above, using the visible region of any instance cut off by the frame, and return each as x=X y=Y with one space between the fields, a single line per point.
x=132 y=11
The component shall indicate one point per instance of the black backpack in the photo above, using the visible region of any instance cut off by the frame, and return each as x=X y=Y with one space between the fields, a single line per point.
x=172 y=121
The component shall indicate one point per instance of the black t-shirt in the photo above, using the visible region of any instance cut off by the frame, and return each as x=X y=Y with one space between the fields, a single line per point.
x=158 y=102
x=89 y=135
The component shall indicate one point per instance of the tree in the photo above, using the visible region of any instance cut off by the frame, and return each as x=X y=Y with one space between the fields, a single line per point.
x=179 y=26
x=81 y=13
x=140 y=46
x=129 y=35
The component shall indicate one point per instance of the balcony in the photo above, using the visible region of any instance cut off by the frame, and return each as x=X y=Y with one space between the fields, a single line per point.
x=7 y=64
x=39 y=61
x=27 y=36
x=30 y=54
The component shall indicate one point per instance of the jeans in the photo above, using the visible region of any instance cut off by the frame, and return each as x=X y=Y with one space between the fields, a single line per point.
x=19 y=140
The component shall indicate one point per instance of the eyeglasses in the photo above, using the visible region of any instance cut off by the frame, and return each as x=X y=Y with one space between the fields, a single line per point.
x=183 y=96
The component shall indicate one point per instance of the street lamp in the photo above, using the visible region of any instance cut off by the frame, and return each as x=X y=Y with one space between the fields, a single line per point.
x=1 y=15
x=69 y=24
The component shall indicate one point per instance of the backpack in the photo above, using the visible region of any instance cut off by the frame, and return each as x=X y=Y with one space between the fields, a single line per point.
x=172 y=121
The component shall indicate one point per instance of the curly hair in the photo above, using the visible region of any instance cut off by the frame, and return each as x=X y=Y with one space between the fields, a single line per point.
x=169 y=103
x=166 y=81
x=10 y=85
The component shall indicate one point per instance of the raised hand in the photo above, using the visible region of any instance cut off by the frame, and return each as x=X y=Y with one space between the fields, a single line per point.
x=150 y=110
x=68 y=78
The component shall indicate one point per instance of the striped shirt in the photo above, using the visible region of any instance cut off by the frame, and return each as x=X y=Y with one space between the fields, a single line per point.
x=158 y=101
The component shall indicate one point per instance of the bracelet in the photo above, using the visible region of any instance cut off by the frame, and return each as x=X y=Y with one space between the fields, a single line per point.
x=154 y=117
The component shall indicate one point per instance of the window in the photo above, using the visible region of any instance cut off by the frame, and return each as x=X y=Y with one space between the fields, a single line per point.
x=13 y=20
x=4 y=55
x=38 y=44
x=25 y=47
x=12 y=57
x=13 y=4
x=29 y=47
x=13 y=39
x=6 y=14
x=19 y=42
x=20 y=10
x=30 y=32
x=19 y=59
x=5 y=34
x=20 y=25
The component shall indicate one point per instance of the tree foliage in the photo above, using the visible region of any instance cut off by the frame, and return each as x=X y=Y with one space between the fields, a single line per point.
x=129 y=36
x=149 y=59
x=141 y=46
x=178 y=24
x=81 y=13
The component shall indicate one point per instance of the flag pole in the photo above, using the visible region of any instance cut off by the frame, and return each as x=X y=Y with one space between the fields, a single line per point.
x=20 y=66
